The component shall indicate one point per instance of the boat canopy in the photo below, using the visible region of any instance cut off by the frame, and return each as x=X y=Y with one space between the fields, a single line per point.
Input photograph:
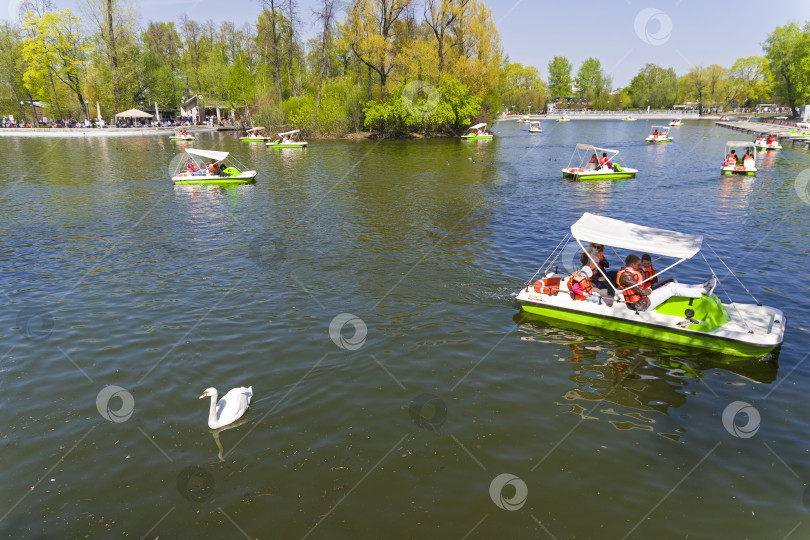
x=210 y=154
x=591 y=148
x=478 y=126
x=638 y=238
x=731 y=144
x=659 y=128
x=289 y=132
x=251 y=130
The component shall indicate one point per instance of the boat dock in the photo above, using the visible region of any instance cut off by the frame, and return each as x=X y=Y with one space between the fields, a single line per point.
x=782 y=132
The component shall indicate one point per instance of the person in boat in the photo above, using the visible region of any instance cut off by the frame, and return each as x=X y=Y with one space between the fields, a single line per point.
x=648 y=270
x=191 y=167
x=771 y=139
x=595 y=252
x=655 y=133
x=731 y=158
x=579 y=284
x=748 y=160
x=594 y=162
x=640 y=297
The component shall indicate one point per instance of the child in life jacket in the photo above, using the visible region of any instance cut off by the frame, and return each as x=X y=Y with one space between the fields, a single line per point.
x=579 y=283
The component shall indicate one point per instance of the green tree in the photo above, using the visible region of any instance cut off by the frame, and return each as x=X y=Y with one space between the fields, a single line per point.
x=590 y=79
x=753 y=78
x=695 y=86
x=559 y=77
x=788 y=51
x=54 y=46
x=654 y=87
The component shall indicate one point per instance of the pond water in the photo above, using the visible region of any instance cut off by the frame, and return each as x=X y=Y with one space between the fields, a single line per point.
x=364 y=290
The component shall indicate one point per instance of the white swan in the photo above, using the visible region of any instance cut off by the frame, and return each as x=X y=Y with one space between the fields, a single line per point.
x=230 y=408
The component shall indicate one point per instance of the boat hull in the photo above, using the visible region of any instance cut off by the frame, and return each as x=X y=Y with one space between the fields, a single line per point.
x=641 y=325
x=658 y=140
x=286 y=145
x=769 y=147
x=254 y=139
x=595 y=175
x=535 y=131
x=744 y=172
x=183 y=138
x=477 y=138
x=244 y=177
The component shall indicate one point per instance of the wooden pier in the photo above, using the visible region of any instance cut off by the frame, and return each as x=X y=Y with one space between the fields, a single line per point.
x=782 y=132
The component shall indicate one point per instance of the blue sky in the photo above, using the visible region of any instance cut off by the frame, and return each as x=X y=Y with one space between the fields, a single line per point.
x=623 y=34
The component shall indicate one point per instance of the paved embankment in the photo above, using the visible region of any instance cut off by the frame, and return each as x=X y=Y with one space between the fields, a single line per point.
x=91 y=132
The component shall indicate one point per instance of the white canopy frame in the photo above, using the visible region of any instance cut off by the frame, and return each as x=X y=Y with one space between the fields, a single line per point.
x=482 y=125
x=664 y=129
x=590 y=149
x=734 y=145
x=625 y=235
x=255 y=129
x=202 y=155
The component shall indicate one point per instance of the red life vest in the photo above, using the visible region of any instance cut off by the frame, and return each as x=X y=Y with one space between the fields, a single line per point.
x=584 y=286
x=630 y=295
x=648 y=272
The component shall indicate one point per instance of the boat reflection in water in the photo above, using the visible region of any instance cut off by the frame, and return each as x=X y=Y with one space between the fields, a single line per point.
x=628 y=381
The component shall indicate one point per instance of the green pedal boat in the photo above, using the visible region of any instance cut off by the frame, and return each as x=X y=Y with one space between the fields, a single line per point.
x=588 y=169
x=704 y=322
x=477 y=132
x=203 y=167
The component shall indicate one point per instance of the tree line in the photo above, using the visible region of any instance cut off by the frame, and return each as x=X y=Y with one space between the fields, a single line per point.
x=388 y=66
x=780 y=76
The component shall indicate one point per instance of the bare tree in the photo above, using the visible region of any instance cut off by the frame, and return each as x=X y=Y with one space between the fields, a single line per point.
x=324 y=16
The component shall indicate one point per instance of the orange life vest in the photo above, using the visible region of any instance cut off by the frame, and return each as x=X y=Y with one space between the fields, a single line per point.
x=630 y=295
x=731 y=159
x=648 y=272
x=584 y=286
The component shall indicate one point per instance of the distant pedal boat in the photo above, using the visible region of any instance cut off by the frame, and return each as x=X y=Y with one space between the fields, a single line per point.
x=288 y=139
x=586 y=170
x=477 y=132
x=659 y=134
x=762 y=143
x=535 y=127
x=182 y=136
x=204 y=175
x=741 y=166
x=255 y=134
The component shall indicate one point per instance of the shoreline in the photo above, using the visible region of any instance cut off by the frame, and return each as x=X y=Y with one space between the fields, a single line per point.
x=93 y=132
